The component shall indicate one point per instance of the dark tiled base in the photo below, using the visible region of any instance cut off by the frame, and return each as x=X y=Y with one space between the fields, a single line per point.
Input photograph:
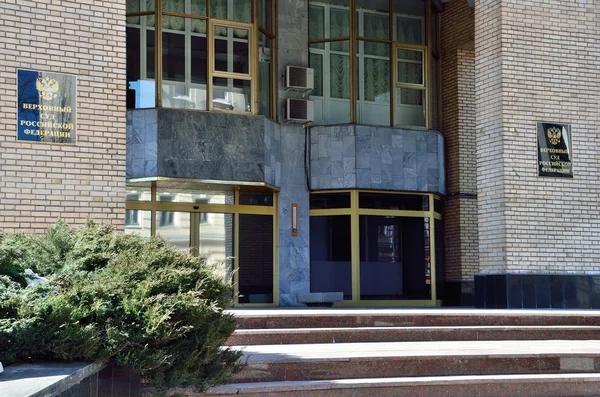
x=458 y=294
x=536 y=291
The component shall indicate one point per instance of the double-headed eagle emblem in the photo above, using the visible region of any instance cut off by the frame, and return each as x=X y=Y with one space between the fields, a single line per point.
x=554 y=135
x=47 y=87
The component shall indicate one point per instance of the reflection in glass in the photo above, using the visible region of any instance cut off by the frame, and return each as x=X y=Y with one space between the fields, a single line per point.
x=216 y=241
x=331 y=255
x=231 y=50
x=410 y=66
x=394 y=258
x=138 y=222
x=256 y=198
x=177 y=195
x=174 y=227
x=232 y=94
x=139 y=193
x=237 y=10
x=140 y=88
x=265 y=15
x=255 y=259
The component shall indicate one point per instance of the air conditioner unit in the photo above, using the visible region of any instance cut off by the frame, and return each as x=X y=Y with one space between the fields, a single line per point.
x=299 y=111
x=299 y=78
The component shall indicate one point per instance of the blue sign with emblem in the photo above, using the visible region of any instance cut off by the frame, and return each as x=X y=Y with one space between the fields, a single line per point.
x=46 y=107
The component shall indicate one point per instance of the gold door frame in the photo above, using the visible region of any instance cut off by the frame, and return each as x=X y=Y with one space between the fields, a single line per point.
x=355 y=212
x=235 y=209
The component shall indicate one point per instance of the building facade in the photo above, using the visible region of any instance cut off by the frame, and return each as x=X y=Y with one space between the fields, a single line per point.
x=450 y=157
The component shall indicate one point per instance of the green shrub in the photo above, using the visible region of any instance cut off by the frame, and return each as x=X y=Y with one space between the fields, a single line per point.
x=144 y=305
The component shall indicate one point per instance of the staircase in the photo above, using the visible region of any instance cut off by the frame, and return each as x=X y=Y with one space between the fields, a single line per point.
x=416 y=352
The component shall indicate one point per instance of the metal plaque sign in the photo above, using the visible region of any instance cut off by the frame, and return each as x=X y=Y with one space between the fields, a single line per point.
x=46 y=107
x=555 y=152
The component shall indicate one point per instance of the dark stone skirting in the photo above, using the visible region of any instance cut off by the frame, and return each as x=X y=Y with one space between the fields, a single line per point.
x=537 y=291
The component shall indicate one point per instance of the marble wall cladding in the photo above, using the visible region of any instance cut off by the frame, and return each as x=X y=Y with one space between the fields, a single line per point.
x=348 y=156
x=294 y=251
x=202 y=145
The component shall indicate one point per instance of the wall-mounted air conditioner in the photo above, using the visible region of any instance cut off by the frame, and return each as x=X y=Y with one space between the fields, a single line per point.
x=299 y=111
x=299 y=78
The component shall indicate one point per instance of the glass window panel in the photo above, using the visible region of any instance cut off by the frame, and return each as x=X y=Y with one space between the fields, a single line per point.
x=150 y=54
x=264 y=75
x=138 y=222
x=231 y=50
x=331 y=255
x=173 y=55
x=434 y=26
x=177 y=195
x=147 y=5
x=236 y=10
x=255 y=269
x=339 y=76
x=256 y=198
x=373 y=19
x=373 y=86
x=216 y=241
x=316 y=63
x=394 y=258
x=434 y=93
x=265 y=9
x=382 y=201
x=409 y=66
x=140 y=90
x=198 y=7
x=329 y=200
x=199 y=59
x=410 y=109
x=139 y=193
x=316 y=24
x=133 y=6
x=177 y=6
x=409 y=30
x=174 y=227
x=339 y=22
x=438 y=206
x=232 y=94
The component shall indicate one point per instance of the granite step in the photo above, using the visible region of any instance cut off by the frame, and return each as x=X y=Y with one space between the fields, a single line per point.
x=271 y=363
x=246 y=337
x=346 y=318
x=530 y=385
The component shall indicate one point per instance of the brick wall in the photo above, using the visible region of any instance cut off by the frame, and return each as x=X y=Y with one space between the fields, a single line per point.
x=458 y=103
x=537 y=61
x=42 y=182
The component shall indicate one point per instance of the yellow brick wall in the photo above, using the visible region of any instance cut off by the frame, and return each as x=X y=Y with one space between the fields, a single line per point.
x=42 y=182
x=458 y=104
x=537 y=61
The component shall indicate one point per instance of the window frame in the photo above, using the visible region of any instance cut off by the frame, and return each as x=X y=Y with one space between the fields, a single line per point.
x=357 y=39
x=254 y=27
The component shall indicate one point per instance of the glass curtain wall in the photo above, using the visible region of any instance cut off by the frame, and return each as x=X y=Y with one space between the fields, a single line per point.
x=213 y=55
x=386 y=46
x=233 y=230
x=376 y=247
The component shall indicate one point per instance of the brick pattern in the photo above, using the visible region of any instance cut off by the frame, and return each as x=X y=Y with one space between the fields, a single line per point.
x=488 y=98
x=40 y=182
x=537 y=61
x=458 y=102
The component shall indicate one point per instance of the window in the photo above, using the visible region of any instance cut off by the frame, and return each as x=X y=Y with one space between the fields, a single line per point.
x=376 y=247
x=132 y=217
x=388 y=53
x=220 y=61
x=166 y=218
